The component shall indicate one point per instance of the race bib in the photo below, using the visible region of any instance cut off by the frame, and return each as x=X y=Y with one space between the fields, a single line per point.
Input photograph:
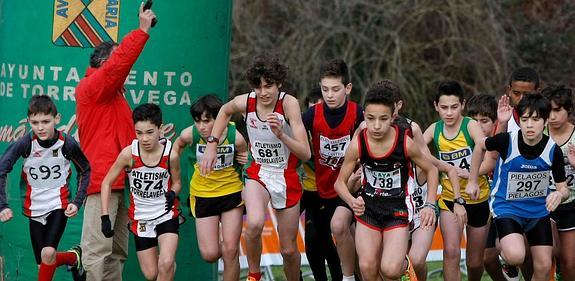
x=570 y=177
x=459 y=158
x=269 y=153
x=225 y=155
x=383 y=184
x=527 y=185
x=419 y=196
x=332 y=151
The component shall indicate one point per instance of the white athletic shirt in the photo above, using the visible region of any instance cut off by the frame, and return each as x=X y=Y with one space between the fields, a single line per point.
x=46 y=175
x=149 y=184
x=267 y=150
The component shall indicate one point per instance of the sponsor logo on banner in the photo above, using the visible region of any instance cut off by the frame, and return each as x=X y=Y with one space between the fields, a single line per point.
x=85 y=23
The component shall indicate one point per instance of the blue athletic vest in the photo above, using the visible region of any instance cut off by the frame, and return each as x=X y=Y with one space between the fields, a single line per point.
x=520 y=185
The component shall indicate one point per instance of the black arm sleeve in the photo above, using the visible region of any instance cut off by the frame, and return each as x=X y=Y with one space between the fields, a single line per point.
x=558 y=165
x=11 y=155
x=499 y=143
x=307 y=118
x=73 y=152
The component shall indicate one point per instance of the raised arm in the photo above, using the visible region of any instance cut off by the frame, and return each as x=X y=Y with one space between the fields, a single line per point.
x=236 y=105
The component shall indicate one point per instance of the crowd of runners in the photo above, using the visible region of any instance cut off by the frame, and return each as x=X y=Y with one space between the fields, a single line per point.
x=374 y=185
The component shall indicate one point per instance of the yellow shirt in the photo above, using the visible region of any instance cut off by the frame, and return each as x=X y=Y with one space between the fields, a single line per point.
x=309 y=176
x=225 y=179
x=457 y=152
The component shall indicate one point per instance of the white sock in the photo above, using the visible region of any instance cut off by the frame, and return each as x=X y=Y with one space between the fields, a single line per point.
x=348 y=278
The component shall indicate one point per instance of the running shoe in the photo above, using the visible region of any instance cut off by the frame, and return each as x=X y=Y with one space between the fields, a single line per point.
x=510 y=272
x=78 y=272
x=409 y=274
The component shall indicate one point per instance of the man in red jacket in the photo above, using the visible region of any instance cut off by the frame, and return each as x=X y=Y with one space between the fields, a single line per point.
x=105 y=127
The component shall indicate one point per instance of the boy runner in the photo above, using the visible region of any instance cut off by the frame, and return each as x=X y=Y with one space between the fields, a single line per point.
x=454 y=137
x=47 y=155
x=154 y=176
x=563 y=133
x=385 y=152
x=521 y=200
x=331 y=125
x=278 y=142
x=216 y=200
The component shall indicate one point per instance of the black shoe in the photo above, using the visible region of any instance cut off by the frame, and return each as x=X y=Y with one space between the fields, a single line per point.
x=78 y=272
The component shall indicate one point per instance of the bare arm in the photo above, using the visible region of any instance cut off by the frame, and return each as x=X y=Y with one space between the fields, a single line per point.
x=341 y=187
x=123 y=161
x=421 y=160
x=186 y=137
x=175 y=172
x=237 y=105
x=299 y=144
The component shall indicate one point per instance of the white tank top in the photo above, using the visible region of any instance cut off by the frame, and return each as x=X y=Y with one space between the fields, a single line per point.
x=46 y=173
x=149 y=184
x=267 y=150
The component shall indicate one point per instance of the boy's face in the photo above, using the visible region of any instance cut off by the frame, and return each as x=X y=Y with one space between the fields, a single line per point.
x=147 y=134
x=449 y=109
x=517 y=89
x=558 y=116
x=378 y=118
x=531 y=127
x=487 y=125
x=205 y=125
x=43 y=125
x=334 y=92
x=267 y=93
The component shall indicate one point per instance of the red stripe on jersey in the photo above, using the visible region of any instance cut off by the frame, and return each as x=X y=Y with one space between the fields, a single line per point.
x=131 y=208
x=134 y=226
x=27 y=199
x=325 y=176
x=294 y=188
x=164 y=162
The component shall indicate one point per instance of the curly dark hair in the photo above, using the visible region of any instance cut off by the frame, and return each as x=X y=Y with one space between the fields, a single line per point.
x=268 y=67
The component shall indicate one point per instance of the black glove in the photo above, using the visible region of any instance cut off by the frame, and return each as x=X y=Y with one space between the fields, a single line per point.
x=170 y=198
x=147 y=6
x=107 y=226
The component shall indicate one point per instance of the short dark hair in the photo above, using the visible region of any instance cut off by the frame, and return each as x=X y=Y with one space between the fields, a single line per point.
x=313 y=96
x=534 y=103
x=210 y=104
x=525 y=74
x=560 y=95
x=336 y=68
x=449 y=88
x=390 y=88
x=101 y=53
x=42 y=104
x=268 y=67
x=148 y=112
x=379 y=96
x=482 y=104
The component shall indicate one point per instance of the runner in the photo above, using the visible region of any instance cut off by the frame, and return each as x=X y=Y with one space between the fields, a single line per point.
x=47 y=155
x=563 y=133
x=385 y=152
x=483 y=109
x=216 y=200
x=319 y=245
x=521 y=200
x=154 y=176
x=454 y=137
x=331 y=125
x=277 y=142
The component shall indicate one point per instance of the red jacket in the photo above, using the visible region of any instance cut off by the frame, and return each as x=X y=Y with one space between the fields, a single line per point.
x=104 y=117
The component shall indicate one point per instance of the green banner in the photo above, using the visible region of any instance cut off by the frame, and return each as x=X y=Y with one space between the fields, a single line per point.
x=44 y=50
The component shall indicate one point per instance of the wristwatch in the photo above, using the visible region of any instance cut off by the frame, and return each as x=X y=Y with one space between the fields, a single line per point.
x=212 y=139
x=459 y=201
